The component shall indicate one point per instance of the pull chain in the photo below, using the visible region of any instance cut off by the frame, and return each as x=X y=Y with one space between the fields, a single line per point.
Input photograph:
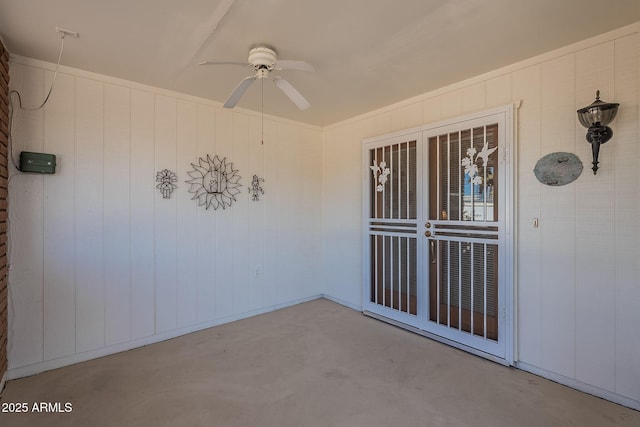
x=262 y=111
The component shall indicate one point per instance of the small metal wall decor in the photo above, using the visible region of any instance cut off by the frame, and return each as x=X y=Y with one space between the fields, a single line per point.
x=557 y=169
x=166 y=180
x=214 y=182
x=381 y=172
x=256 y=189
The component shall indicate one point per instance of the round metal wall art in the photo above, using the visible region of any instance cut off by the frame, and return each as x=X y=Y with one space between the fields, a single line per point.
x=557 y=169
x=214 y=182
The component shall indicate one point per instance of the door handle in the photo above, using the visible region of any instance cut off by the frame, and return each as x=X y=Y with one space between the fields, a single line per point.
x=432 y=245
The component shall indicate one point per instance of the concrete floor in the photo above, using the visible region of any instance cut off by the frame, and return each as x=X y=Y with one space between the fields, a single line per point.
x=314 y=364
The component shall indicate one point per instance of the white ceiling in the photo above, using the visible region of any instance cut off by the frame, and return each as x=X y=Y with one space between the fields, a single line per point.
x=367 y=53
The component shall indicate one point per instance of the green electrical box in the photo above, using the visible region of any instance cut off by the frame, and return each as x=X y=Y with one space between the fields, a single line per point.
x=37 y=162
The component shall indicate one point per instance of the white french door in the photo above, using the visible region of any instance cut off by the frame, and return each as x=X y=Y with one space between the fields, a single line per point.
x=437 y=252
x=394 y=248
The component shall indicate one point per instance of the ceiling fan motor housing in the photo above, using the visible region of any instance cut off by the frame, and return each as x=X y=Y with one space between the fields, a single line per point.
x=262 y=57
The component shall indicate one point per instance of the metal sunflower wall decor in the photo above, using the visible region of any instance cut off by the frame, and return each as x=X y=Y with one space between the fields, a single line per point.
x=214 y=182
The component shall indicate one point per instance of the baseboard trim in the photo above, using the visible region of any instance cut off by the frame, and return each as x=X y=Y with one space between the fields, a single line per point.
x=47 y=365
x=343 y=302
x=580 y=386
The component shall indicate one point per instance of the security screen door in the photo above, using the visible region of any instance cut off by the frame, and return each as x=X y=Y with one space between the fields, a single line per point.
x=392 y=228
x=436 y=253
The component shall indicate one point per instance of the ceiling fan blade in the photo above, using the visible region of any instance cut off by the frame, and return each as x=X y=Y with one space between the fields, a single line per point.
x=287 y=64
x=244 y=64
x=292 y=93
x=238 y=92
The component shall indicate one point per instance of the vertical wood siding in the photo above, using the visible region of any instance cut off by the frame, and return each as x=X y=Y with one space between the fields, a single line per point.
x=101 y=262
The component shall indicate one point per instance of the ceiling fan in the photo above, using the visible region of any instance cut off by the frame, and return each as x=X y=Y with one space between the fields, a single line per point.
x=264 y=60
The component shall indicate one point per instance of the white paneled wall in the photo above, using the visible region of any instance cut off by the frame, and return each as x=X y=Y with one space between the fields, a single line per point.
x=142 y=208
x=577 y=283
x=100 y=262
x=623 y=216
x=558 y=132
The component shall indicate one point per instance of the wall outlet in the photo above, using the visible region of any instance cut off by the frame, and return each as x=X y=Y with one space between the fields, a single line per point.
x=257 y=271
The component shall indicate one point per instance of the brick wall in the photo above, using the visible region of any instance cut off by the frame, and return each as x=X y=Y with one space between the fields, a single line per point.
x=4 y=132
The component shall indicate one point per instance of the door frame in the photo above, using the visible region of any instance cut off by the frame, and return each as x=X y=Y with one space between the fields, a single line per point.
x=508 y=154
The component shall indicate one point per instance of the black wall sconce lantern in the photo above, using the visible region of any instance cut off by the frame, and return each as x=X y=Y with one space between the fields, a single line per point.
x=596 y=117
